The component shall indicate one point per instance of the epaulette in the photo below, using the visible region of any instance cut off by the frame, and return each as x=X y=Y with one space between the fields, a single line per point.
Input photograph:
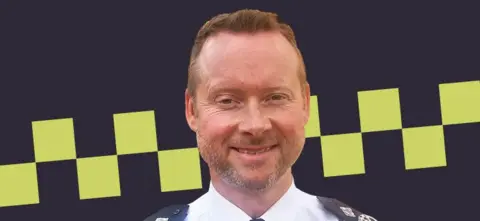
x=343 y=211
x=170 y=213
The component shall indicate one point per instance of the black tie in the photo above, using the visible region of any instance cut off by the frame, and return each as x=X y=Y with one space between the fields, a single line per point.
x=257 y=219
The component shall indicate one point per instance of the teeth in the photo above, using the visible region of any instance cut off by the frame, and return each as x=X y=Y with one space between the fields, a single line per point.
x=253 y=152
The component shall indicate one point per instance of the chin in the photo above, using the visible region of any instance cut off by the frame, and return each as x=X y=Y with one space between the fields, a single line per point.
x=257 y=179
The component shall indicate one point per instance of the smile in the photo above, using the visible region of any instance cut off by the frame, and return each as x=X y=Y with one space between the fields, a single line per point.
x=252 y=151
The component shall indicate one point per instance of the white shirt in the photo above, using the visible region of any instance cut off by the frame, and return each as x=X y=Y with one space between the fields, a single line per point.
x=295 y=205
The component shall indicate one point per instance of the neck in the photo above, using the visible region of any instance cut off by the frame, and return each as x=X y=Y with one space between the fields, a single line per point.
x=253 y=203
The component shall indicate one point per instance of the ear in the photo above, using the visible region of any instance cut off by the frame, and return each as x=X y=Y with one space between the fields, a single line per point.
x=306 y=108
x=190 y=112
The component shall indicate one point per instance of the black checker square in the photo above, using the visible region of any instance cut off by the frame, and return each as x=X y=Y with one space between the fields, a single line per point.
x=462 y=144
x=16 y=142
x=94 y=135
x=338 y=112
x=383 y=153
x=58 y=182
x=139 y=175
x=420 y=105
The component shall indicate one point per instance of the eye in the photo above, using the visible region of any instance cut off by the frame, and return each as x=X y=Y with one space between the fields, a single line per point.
x=277 y=97
x=225 y=101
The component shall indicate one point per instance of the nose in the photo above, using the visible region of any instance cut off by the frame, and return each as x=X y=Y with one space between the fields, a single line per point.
x=254 y=122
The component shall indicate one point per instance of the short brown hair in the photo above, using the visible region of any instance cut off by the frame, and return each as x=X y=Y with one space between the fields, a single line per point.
x=242 y=21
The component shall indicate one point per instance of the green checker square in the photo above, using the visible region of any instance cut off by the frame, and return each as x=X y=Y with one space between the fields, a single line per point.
x=342 y=154
x=379 y=110
x=179 y=169
x=424 y=147
x=18 y=185
x=98 y=177
x=312 y=128
x=54 y=140
x=135 y=132
x=460 y=102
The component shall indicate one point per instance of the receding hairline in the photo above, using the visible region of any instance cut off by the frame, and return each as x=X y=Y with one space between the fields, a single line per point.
x=221 y=42
x=249 y=22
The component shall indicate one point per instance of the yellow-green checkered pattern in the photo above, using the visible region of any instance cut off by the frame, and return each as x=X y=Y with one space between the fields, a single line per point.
x=135 y=133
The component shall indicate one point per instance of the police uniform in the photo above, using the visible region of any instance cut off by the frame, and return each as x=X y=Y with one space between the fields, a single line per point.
x=295 y=205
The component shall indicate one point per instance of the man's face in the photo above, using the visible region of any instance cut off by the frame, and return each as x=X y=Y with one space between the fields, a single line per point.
x=249 y=110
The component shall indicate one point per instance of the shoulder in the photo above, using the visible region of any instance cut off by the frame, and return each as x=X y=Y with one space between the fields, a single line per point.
x=175 y=212
x=181 y=211
x=343 y=211
x=326 y=208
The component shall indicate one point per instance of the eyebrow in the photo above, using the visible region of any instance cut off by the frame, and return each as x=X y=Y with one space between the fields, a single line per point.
x=222 y=89
x=235 y=90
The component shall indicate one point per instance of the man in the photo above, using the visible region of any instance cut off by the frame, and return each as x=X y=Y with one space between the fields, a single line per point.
x=248 y=101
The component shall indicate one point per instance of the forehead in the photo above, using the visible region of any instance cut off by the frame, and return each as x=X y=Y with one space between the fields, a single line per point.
x=250 y=59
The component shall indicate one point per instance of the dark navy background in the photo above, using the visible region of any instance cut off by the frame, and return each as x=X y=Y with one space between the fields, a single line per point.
x=90 y=59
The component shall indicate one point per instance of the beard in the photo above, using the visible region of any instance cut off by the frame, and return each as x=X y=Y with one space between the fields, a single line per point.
x=230 y=175
x=217 y=159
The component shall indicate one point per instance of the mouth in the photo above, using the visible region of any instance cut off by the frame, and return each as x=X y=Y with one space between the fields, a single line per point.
x=254 y=150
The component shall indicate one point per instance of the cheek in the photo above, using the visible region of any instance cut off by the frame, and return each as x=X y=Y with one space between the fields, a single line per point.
x=215 y=127
x=291 y=122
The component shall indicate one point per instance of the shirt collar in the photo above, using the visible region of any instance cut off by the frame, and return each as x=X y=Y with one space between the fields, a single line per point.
x=283 y=209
